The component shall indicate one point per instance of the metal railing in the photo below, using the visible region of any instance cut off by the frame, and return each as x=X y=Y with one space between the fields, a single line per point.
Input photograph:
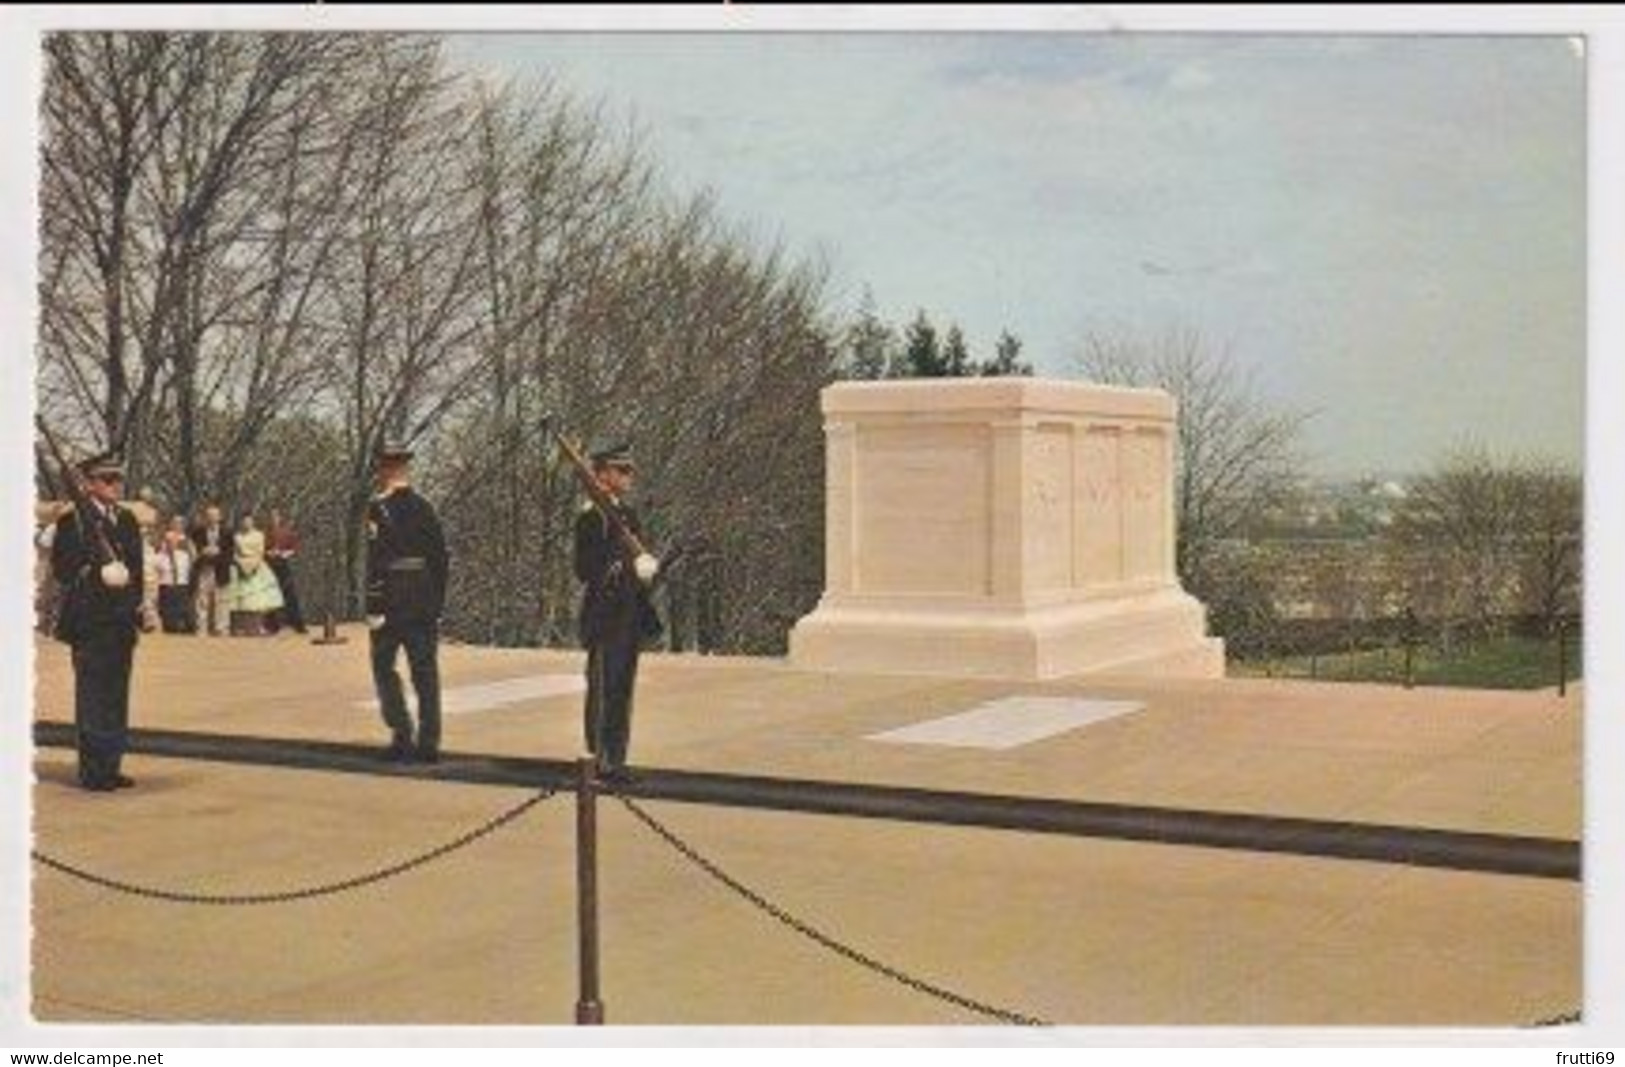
x=1511 y=652
x=1541 y=857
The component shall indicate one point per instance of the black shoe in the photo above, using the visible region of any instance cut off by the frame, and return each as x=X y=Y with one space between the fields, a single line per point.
x=427 y=755
x=99 y=785
x=397 y=752
x=618 y=774
x=122 y=781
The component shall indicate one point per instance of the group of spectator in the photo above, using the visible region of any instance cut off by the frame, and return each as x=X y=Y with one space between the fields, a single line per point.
x=213 y=578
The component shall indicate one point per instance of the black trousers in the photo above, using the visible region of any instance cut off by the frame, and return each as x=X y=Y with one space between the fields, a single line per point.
x=175 y=609
x=422 y=643
x=102 y=659
x=612 y=671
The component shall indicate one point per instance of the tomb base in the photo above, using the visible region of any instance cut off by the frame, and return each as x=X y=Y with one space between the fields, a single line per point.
x=1158 y=633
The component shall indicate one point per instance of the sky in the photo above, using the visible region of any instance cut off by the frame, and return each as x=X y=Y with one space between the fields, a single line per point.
x=1387 y=232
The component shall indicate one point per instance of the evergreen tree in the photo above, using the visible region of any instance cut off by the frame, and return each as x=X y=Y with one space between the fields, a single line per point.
x=956 y=361
x=922 y=356
x=868 y=349
x=1007 y=361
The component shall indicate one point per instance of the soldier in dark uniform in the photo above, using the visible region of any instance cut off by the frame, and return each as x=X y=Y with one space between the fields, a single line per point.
x=407 y=567
x=616 y=616
x=97 y=558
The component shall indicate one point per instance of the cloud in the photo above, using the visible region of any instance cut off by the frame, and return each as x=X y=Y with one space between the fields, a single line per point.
x=1357 y=212
x=1189 y=77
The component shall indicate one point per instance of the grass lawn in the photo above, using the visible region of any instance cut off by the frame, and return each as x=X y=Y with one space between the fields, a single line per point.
x=1496 y=663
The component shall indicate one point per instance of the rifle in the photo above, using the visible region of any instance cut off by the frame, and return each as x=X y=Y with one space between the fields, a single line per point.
x=78 y=496
x=589 y=481
x=595 y=492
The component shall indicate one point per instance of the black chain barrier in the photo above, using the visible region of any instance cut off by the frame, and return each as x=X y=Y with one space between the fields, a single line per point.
x=806 y=930
x=295 y=894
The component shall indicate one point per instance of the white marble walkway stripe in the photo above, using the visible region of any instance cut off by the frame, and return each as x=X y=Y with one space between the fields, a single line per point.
x=487 y=695
x=1009 y=722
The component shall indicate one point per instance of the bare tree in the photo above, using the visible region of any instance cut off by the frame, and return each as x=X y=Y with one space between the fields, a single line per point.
x=729 y=354
x=1236 y=456
x=620 y=312
x=562 y=201
x=1550 y=500
x=171 y=164
x=263 y=254
x=1247 y=586
x=108 y=99
x=207 y=197
x=1489 y=538
x=398 y=290
x=1460 y=518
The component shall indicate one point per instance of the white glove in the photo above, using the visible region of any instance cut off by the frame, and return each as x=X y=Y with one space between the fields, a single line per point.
x=647 y=567
x=375 y=622
x=115 y=575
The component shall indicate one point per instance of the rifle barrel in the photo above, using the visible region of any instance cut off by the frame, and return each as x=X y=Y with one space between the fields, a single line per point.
x=600 y=499
x=76 y=494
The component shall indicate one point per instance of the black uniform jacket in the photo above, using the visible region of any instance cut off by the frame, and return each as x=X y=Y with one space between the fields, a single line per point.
x=87 y=603
x=408 y=565
x=614 y=604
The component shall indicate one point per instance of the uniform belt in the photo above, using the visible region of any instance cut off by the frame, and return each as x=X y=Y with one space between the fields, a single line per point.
x=407 y=563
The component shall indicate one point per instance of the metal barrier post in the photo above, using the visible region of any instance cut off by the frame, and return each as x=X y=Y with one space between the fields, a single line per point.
x=589 y=1009
x=1562 y=657
x=330 y=634
x=1410 y=648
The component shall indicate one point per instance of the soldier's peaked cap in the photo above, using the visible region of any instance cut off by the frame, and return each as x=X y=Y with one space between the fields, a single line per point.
x=616 y=455
x=102 y=464
x=391 y=452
